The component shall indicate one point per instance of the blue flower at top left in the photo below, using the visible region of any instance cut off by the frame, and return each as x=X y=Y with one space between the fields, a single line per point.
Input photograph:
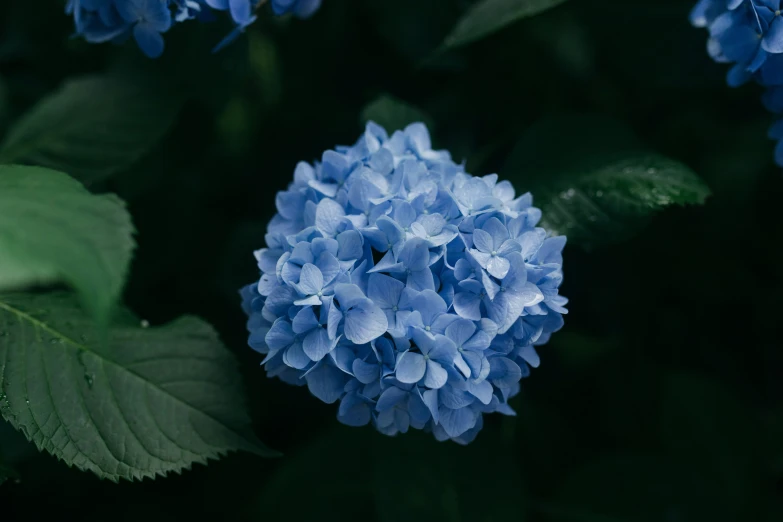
x=99 y=21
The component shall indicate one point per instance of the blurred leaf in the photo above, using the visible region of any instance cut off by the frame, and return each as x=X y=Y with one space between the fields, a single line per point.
x=7 y=473
x=447 y=481
x=189 y=70
x=702 y=422
x=593 y=182
x=579 y=349
x=393 y=114
x=147 y=402
x=52 y=229
x=266 y=68
x=636 y=488
x=333 y=472
x=488 y=16
x=92 y=127
x=4 y=105
x=410 y=478
x=424 y=24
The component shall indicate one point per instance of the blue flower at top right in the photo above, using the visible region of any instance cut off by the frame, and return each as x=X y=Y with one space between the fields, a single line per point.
x=749 y=35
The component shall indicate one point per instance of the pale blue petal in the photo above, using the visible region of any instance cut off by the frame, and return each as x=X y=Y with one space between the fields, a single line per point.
x=481 y=390
x=411 y=367
x=365 y=372
x=457 y=422
x=390 y=398
x=295 y=357
x=415 y=255
x=304 y=321
x=365 y=323
x=354 y=410
x=280 y=335
x=384 y=291
x=436 y=376
x=468 y=305
x=328 y=215
x=327 y=383
x=317 y=344
x=311 y=281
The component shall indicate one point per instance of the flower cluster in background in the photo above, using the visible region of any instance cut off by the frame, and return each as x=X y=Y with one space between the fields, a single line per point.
x=406 y=289
x=99 y=21
x=749 y=35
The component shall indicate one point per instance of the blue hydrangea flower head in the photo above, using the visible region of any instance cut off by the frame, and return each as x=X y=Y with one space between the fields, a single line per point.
x=749 y=35
x=99 y=21
x=402 y=287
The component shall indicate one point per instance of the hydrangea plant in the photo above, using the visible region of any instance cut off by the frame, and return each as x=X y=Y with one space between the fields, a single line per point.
x=99 y=21
x=749 y=35
x=401 y=286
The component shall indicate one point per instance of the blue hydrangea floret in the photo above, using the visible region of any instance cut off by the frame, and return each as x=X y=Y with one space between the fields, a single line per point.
x=402 y=287
x=748 y=34
x=146 y=21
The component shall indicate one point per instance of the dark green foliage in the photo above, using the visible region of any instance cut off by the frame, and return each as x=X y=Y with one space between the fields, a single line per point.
x=659 y=401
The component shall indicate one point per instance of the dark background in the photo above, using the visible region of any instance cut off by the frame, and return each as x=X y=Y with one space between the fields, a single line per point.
x=660 y=400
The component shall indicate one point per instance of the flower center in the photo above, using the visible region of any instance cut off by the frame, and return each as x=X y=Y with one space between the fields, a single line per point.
x=428 y=328
x=494 y=253
x=320 y=293
x=395 y=308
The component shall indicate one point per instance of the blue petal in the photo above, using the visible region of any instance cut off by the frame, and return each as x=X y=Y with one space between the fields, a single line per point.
x=411 y=367
x=457 y=422
x=280 y=335
x=504 y=373
x=326 y=382
x=365 y=323
x=365 y=372
x=328 y=215
x=354 y=410
x=311 y=281
x=430 y=305
x=436 y=376
x=773 y=39
x=415 y=255
x=468 y=305
x=317 y=344
x=481 y=390
x=430 y=399
x=304 y=321
x=351 y=245
x=295 y=357
x=390 y=398
x=384 y=291
x=150 y=41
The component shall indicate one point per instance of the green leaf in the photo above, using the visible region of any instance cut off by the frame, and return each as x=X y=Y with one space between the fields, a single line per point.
x=594 y=182
x=52 y=229
x=147 y=402
x=488 y=16
x=393 y=113
x=92 y=127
